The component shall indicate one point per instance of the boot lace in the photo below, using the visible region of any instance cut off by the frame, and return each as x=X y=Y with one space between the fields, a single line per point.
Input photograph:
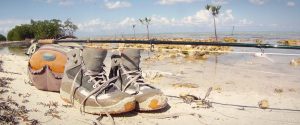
x=135 y=79
x=97 y=78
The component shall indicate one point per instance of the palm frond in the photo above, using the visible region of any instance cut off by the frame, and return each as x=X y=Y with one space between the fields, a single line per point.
x=207 y=7
x=142 y=21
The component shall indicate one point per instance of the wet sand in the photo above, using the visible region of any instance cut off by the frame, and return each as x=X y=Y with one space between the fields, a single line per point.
x=239 y=82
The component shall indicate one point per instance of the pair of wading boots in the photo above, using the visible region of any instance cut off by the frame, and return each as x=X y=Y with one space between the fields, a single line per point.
x=86 y=85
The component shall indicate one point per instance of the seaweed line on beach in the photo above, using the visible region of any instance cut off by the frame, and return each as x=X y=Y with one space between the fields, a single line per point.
x=12 y=112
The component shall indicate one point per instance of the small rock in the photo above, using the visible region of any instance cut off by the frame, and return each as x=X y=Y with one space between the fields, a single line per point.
x=277 y=90
x=263 y=104
x=292 y=90
x=295 y=62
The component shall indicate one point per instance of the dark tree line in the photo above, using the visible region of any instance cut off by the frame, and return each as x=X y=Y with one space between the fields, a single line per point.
x=2 y=37
x=42 y=29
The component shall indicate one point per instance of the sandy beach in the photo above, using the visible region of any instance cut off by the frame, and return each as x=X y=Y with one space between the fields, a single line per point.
x=238 y=83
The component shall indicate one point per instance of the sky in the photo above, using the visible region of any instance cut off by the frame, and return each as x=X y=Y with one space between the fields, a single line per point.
x=110 y=17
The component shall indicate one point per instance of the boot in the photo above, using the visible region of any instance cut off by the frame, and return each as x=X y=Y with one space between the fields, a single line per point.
x=126 y=66
x=85 y=84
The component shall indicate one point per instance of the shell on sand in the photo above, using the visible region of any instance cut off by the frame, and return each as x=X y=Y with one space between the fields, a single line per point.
x=263 y=104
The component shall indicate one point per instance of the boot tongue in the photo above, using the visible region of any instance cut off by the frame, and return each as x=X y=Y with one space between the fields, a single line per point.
x=131 y=58
x=93 y=58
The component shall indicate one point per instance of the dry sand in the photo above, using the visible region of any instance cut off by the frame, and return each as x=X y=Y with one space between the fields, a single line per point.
x=238 y=86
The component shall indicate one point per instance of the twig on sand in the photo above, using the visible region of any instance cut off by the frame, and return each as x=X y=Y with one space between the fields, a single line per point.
x=173 y=115
x=49 y=104
x=197 y=102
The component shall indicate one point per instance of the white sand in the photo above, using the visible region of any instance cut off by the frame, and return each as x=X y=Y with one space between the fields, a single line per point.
x=248 y=82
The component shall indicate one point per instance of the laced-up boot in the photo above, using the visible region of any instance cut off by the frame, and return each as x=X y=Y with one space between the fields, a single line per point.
x=126 y=66
x=85 y=84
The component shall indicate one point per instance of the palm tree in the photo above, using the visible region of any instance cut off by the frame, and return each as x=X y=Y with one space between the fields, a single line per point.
x=146 y=21
x=215 y=12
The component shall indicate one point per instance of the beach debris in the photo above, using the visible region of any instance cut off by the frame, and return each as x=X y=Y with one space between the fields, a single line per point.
x=217 y=88
x=1 y=62
x=49 y=104
x=292 y=90
x=173 y=115
x=230 y=39
x=185 y=85
x=187 y=98
x=263 y=104
x=152 y=74
x=278 y=90
x=5 y=81
x=25 y=101
x=67 y=105
x=14 y=113
x=3 y=91
x=53 y=113
x=258 y=41
x=295 y=62
x=290 y=42
x=196 y=102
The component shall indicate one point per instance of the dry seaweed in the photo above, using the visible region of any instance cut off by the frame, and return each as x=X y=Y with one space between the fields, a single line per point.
x=67 y=105
x=3 y=91
x=13 y=113
x=1 y=69
x=53 y=113
x=185 y=85
x=5 y=81
x=49 y=104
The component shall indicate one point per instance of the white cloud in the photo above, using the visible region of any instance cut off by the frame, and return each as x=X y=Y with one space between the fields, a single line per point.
x=170 y=2
x=201 y=19
x=116 y=4
x=159 y=20
x=128 y=21
x=258 y=2
x=94 y=25
x=290 y=3
x=8 y=24
x=202 y=16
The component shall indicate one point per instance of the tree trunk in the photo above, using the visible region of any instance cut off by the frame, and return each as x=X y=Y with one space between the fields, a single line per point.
x=134 y=33
x=148 y=32
x=215 y=30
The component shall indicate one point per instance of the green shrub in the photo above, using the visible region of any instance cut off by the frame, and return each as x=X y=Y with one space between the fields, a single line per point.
x=45 y=29
x=2 y=37
x=20 y=33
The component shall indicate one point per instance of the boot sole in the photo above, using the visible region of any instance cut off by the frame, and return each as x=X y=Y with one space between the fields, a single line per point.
x=153 y=103
x=125 y=105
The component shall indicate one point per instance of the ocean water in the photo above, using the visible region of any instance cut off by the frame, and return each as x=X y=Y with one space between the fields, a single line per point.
x=267 y=35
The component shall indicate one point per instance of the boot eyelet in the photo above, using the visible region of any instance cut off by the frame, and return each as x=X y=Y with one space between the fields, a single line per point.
x=75 y=61
x=74 y=55
x=95 y=86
